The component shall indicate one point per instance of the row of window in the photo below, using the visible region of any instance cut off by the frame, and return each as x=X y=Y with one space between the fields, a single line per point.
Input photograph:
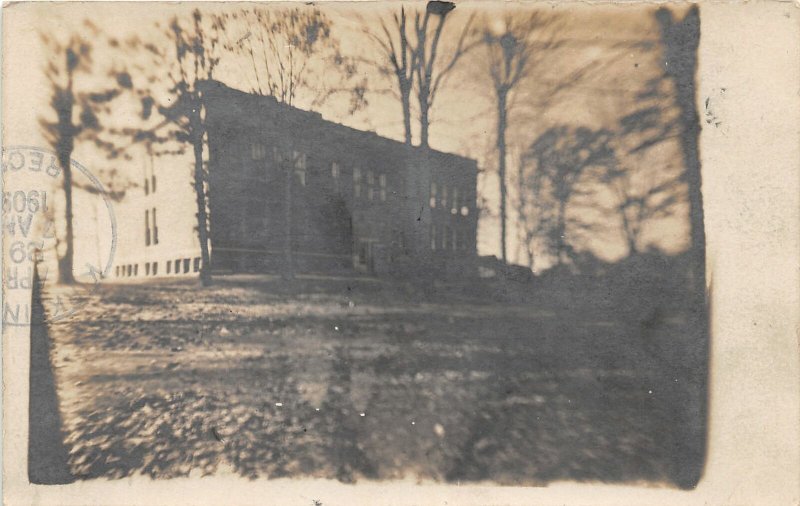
x=457 y=201
x=369 y=184
x=299 y=161
x=177 y=266
x=448 y=238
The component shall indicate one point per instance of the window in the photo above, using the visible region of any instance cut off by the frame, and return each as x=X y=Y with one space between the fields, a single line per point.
x=177 y=266
x=155 y=268
x=433 y=195
x=146 y=186
x=135 y=269
x=130 y=270
x=116 y=270
x=433 y=237
x=147 y=268
x=336 y=172
x=382 y=178
x=155 y=228
x=146 y=227
x=363 y=246
x=150 y=234
x=258 y=151
x=454 y=209
x=169 y=267
x=197 y=264
x=300 y=162
x=153 y=183
x=370 y=185
x=185 y=265
x=356 y=181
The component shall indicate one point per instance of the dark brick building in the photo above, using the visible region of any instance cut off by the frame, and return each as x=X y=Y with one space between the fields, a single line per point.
x=340 y=198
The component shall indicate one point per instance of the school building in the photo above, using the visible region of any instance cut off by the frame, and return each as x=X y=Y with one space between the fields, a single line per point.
x=287 y=187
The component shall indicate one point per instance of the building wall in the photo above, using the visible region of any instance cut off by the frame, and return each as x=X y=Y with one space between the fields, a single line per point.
x=452 y=201
x=156 y=220
x=358 y=200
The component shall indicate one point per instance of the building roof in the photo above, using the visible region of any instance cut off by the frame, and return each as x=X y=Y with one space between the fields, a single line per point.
x=251 y=110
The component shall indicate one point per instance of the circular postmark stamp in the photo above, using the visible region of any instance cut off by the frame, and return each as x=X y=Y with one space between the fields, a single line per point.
x=59 y=236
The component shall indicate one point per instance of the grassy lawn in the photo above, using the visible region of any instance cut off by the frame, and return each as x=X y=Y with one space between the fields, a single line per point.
x=355 y=378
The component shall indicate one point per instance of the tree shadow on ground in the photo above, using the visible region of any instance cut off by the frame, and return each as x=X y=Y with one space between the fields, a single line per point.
x=47 y=455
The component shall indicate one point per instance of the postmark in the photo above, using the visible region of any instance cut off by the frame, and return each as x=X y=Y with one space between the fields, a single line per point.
x=34 y=221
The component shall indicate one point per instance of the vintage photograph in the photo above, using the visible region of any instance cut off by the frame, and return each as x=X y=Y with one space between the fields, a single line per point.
x=442 y=242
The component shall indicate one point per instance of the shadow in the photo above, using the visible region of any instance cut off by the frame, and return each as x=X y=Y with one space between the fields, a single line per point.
x=586 y=182
x=47 y=455
x=681 y=39
x=345 y=433
x=450 y=391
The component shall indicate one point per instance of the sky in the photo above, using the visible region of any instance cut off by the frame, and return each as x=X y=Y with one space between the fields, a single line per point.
x=620 y=41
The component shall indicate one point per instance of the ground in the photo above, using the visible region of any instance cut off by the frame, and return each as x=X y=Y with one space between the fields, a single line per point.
x=355 y=378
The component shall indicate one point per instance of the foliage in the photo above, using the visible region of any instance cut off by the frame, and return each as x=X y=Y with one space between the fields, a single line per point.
x=292 y=52
x=78 y=113
x=185 y=65
x=565 y=157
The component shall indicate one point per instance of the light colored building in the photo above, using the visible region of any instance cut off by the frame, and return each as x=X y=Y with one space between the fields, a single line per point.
x=156 y=221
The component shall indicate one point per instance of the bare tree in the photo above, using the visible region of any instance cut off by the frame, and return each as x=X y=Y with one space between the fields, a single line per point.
x=400 y=60
x=564 y=158
x=644 y=191
x=288 y=52
x=514 y=49
x=77 y=117
x=185 y=63
x=429 y=78
x=411 y=52
x=681 y=38
x=527 y=225
x=641 y=199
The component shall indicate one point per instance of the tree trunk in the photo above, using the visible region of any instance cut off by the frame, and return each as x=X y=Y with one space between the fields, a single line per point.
x=681 y=39
x=691 y=155
x=65 y=263
x=288 y=249
x=629 y=230
x=561 y=229
x=523 y=220
x=405 y=100
x=424 y=119
x=501 y=163
x=64 y=148
x=202 y=215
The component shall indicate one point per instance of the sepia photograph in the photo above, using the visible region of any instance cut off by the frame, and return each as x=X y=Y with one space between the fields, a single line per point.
x=458 y=243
